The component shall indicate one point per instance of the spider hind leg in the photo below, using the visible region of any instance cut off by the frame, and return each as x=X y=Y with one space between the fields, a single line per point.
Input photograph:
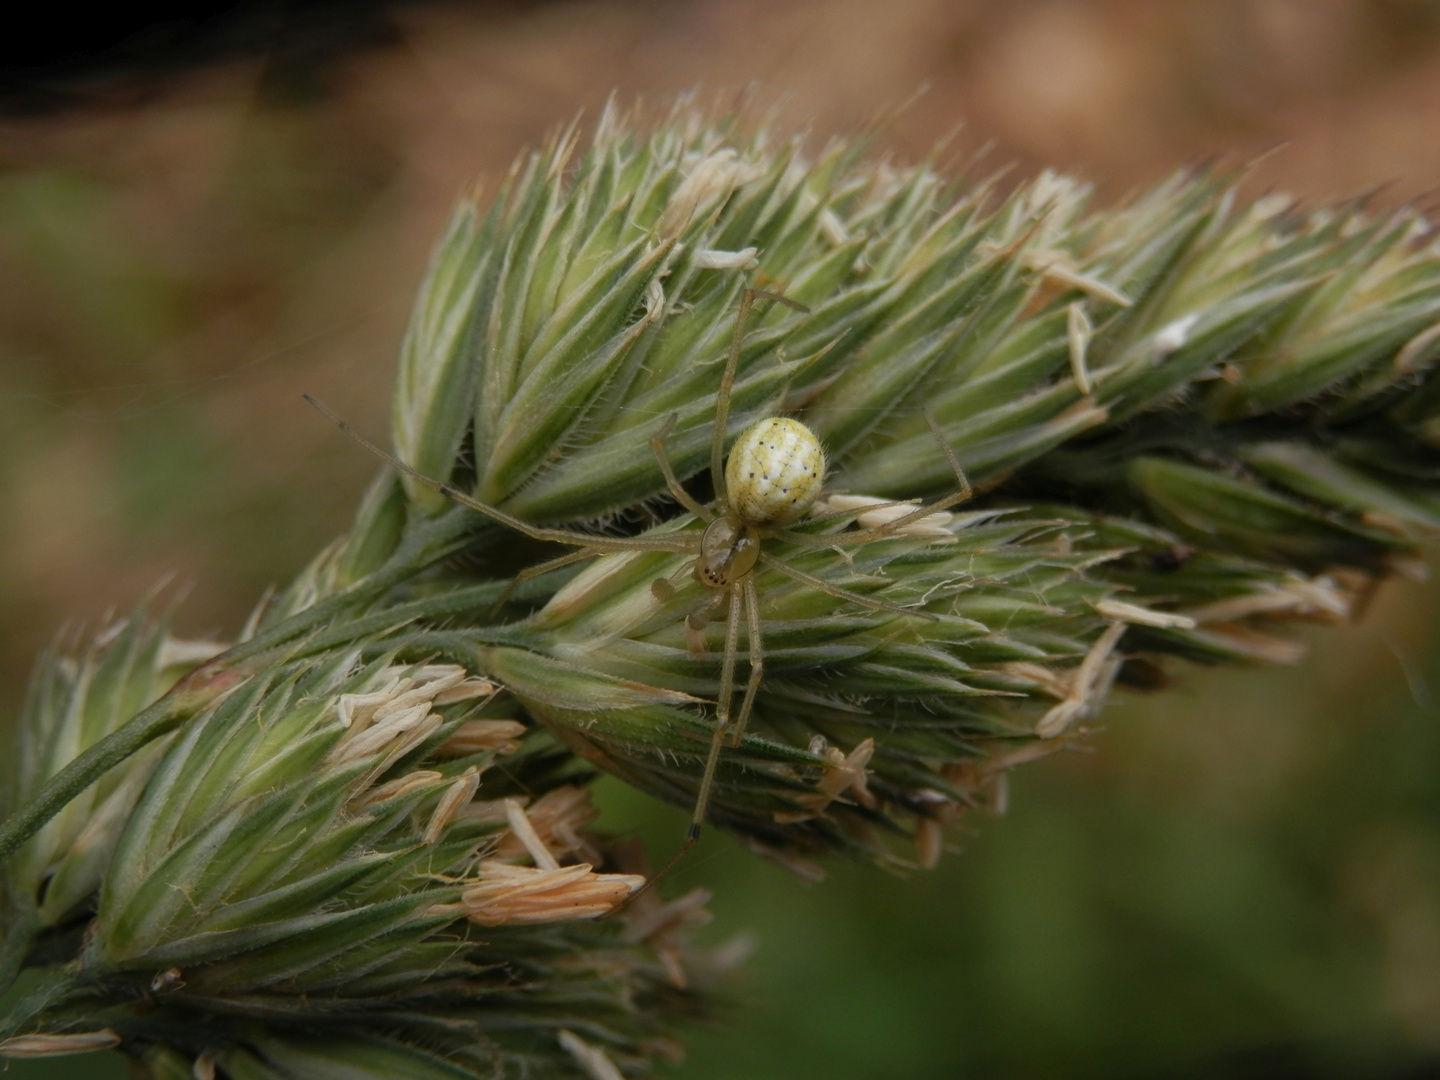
x=756 y=652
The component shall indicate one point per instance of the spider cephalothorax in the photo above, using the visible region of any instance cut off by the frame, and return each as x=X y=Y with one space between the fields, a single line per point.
x=729 y=549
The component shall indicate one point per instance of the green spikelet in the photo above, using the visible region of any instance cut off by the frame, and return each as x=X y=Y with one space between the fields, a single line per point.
x=321 y=845
x=77 y=697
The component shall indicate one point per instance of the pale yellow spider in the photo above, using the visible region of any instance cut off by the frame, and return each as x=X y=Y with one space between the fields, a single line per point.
x=773 y=477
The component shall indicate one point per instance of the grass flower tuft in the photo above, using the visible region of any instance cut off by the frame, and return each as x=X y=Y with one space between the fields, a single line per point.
x=357 y=842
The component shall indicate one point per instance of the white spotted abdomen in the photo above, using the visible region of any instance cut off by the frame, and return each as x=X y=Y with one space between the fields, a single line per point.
x=775 y=471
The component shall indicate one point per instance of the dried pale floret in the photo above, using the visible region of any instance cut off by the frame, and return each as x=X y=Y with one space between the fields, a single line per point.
x=556 y=821
x=1136 y=615
x=1320 y=597
x=40 y=1046
x=461 y=790
x=875 y=513
x=844 y=773
x=592 y=1059
x=1078 y=332
x=401 y=785
x=1060 y=268
x=399 y=716
x=1088 y=685
x=477 y=736
x=661 y=925
x=524 y=895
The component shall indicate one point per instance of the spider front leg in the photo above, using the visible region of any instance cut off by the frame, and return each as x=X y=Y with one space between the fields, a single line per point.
x=600 y=544
x=842 y=594
x=683 y=497
x=539 y=570
x=894 y=527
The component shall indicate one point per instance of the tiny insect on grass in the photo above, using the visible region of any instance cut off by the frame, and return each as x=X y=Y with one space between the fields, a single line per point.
x=773 y=477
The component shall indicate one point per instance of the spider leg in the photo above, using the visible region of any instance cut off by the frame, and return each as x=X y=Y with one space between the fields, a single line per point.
x=683 y=497
x=717 y=741
x=722 y=399
x=722 y=714
x=537 y=532
x=965 y=490
x=852 y=537
x=727 y=382
x=692 y=837
x=889 y=529
x=757 y=659
x=839 y=593
x=539 y=569
x=736 y=600
x=833 y=515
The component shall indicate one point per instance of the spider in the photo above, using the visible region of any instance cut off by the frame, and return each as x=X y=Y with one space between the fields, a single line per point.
x=773 y=477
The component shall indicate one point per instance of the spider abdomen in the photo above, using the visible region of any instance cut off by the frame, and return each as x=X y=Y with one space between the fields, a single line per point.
x=775 y=472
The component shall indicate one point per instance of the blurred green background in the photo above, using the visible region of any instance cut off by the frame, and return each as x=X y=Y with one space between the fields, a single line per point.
x=1240 y=878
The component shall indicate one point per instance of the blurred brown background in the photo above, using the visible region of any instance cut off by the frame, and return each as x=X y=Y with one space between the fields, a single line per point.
x=1243 y=878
